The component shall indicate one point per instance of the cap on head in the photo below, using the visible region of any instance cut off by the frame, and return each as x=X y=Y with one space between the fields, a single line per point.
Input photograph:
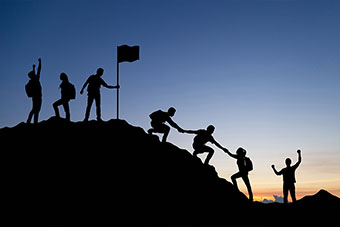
x=100 y=71
x=288 y=161
x=211 y=128
x=171 y=111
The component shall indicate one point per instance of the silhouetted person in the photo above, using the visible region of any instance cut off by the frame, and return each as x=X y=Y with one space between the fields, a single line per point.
x=94 y=82
x=67 y=93
x=243 y=168
x=34 y=91
x=202 y=137
x=158 y=118
x=289 y=177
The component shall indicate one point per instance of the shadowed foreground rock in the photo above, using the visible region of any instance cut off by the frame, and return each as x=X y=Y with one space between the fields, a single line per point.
x=112 y=173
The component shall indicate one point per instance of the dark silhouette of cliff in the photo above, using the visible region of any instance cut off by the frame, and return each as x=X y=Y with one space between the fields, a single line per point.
x=112 y=173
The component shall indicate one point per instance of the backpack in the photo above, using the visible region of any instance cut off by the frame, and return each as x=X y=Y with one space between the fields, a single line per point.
x=29 y=88
x=156 y=115
x=248 y=164
x=70 y=91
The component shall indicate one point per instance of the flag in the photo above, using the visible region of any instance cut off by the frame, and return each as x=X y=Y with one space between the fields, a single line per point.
x=127 y=53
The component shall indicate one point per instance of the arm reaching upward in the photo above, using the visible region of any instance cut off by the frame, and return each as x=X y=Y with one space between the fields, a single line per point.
x=275 y=171
x=39 y=68
x=299 y=159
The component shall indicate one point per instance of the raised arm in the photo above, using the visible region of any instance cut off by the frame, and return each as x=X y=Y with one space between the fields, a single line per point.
x=299 y=159
x=39 y=68
x=275 y=171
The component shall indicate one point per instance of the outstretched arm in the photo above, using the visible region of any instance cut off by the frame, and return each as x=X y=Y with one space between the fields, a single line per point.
x=229 y=153
x=39 y=68
x=275 y=171
x=173 y=124
x=217 y=144
x=191 y=131
x=109 y=86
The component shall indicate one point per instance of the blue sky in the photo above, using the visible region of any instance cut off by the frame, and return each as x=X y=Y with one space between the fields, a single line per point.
x=264 y=72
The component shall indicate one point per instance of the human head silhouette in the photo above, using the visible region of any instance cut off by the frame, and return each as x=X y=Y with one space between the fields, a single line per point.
x=210 y=129
x=100 y=71
x=31 y=74
x=63 y=77
x=241 y=152
x=171 y=111
x=288 y=162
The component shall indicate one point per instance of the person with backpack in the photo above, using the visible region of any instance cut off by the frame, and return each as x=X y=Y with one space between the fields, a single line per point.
x=68 y=92
x=158 y=118
x=202 y=137
x=289 y=177
x=93 y=83
x=34 y=91
x=244 y=165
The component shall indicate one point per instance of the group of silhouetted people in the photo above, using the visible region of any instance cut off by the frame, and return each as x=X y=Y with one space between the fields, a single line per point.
x=203 y=136
x=158 y=119
x=34 y=90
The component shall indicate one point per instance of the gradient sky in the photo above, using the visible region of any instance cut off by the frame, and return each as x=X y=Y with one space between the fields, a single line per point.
x=264 y=72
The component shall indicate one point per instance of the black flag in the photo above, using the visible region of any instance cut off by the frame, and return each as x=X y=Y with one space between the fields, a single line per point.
x=127 y=53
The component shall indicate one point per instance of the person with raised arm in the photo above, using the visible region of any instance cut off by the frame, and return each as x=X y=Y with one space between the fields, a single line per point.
x=34 y=91
x=289 y=180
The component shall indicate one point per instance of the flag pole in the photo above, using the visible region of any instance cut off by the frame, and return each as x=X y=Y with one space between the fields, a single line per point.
x=117 y=85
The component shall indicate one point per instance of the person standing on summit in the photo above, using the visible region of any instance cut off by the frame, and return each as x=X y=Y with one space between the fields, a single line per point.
x=34 y=91
x=158 y=118
x=94 y=82
x=289 y=177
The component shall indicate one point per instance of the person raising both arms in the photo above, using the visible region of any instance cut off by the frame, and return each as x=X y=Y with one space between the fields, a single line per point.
x=288 y=174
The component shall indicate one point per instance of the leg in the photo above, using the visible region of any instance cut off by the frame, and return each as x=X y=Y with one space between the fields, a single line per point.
x=166 y=133
x=210 y=154
x=67 y=109
x=90 y=99
x=247 y=183
x=30 y=115
x=97 y=98
x=55 y=107
x=292 y=193
x=234 y=177
x=37 y=107
x=285 y=193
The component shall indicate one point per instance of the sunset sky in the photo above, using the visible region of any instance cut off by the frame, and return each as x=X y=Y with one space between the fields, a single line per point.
x=265 y=73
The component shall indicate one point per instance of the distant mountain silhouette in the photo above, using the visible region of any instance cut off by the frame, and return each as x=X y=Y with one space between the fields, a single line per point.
x=112 y=173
